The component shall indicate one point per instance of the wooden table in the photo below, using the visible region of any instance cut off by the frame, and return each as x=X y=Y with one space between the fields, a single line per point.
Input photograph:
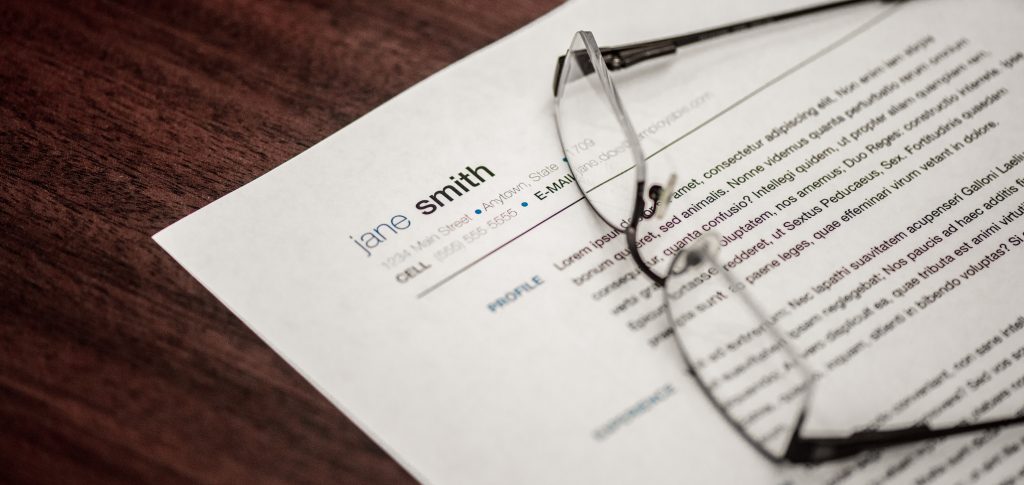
x=119 y=118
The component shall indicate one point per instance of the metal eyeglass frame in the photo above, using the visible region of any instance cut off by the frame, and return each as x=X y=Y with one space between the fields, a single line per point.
x=801 y=450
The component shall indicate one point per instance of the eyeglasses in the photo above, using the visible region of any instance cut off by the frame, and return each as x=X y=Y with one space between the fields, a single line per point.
x=753 y=374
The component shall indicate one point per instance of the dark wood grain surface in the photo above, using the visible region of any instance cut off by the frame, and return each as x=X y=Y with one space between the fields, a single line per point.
x=119 y=118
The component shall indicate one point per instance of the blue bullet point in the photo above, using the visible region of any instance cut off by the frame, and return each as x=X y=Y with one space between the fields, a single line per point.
x=478 y=211
x=524 y=204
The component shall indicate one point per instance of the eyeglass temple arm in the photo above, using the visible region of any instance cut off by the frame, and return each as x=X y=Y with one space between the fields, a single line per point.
x=818 y=450
x=621 y=57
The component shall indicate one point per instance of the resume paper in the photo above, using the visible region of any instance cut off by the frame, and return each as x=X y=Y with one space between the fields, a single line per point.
x=435 y=272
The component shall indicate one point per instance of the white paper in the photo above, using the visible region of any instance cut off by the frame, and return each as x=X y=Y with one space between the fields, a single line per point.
x=539 y=388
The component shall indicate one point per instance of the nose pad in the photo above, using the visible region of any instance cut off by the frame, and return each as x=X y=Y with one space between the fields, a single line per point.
x=654 y=193
x=708 y=245
x=660 y=195
x=704 y=250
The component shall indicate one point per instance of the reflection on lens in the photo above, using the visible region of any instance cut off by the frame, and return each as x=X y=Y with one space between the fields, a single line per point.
x=733 y=350
x=590 y=124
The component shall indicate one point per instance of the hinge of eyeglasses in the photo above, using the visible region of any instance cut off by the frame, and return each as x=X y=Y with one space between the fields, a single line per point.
x=616 y=58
